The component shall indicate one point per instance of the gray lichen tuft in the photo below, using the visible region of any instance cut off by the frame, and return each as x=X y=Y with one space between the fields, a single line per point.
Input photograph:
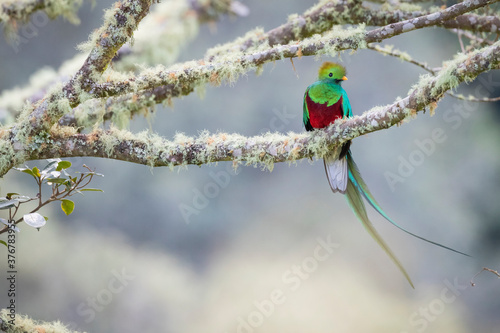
x=25 y=324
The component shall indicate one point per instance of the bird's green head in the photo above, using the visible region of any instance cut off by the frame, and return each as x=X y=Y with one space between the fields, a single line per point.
x=332 y=71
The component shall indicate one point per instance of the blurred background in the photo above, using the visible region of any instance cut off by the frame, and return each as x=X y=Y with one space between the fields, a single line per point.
x=272 y=251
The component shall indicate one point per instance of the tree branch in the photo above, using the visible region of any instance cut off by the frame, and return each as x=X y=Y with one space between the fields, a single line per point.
x=316 y=20
x=191 y=74
x=16 y=10
x=32 y=139
x=119 y=25
x=323 y=17
x=436 y=18
x=168 y=28
x=388 y=50
x=270 y=148
x=35 y=123
x=117 y=30
x=159 y=39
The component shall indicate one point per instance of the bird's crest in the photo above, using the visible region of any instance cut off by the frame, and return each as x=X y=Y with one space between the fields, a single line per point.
x=332 y=70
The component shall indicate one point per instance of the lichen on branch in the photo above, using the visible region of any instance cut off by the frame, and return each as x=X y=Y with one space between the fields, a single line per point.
x=119 y=24
x=96 y=94
x=270 y=148
x=16 y=12
x=22 y=323
x=226 y=63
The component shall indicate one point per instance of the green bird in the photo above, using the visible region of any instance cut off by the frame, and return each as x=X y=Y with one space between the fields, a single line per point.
x=325 y=101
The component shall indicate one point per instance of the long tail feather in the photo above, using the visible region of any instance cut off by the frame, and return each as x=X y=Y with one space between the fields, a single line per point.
x=356 y=202
x=355 y=177
x=336 y=172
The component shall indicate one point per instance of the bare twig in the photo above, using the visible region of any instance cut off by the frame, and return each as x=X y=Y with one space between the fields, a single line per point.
x=474 y=38
x=461 y=42
x=406 y=57
x=390 y=51
x=484 y=269
x=474 y=98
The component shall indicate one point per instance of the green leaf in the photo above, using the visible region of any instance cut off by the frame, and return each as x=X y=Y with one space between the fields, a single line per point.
x=3 y=242
x=36 y=172
x=34 y=220
x=63 y=165
x=28 y=171
x=56 y=180
x=67 y=206
x=91 y=190
x=10 y=195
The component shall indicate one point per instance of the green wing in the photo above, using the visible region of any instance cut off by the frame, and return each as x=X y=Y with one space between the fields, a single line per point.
x=346 y=105
x=305 y=114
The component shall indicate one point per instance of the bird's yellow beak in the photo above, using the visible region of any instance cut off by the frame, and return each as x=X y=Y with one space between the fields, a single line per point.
x=344 y=78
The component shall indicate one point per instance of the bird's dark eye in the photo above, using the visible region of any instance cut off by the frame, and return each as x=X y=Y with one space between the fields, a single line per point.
x=330 y=75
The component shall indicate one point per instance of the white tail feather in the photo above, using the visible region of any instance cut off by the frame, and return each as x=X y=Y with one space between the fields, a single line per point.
x=336 y=172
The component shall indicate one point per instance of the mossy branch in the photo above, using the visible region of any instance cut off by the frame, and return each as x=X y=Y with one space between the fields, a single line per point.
x=161 y=43
x=120 y=22
x=35 y=136
x=161 y=36
x=39 y=134
x=318 y=19
x=389 y=50
x=450 y=13
x=270 y=148
x=171 y=83
x=162 y=83
x=35 y=121
x=19 y=11
x=325 y=15
x=118 y=28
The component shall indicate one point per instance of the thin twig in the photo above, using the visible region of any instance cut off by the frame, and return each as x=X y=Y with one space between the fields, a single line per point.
x=405 y=57
x=461 y=41
x=484 y=269
x=473 y=98
x=400 y=55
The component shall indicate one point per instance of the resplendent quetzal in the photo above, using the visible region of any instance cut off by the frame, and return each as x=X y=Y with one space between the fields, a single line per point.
x=325 y=101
